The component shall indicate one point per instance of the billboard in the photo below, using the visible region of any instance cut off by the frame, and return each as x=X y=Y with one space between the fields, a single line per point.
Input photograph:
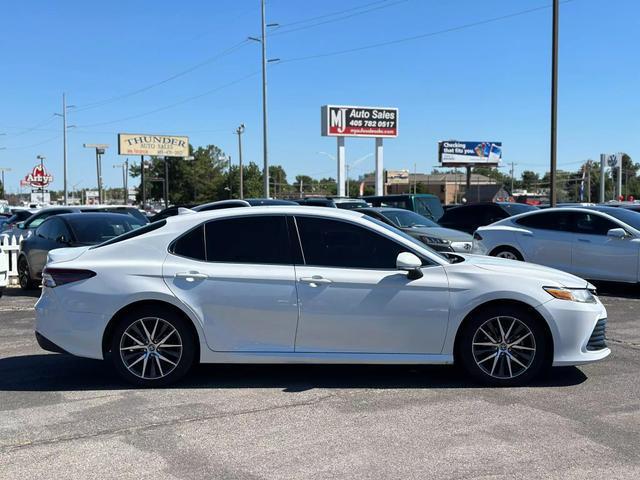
x=454 y=152
x=156 y=145
x=347 y=121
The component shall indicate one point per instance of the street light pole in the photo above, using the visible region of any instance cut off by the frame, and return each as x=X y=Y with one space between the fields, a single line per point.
x=64 y=146
x=4 y=186
x=554 y=103
x=100 y=149
x=239 y=132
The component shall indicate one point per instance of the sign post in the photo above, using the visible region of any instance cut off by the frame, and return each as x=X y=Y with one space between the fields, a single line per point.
x=347 y=121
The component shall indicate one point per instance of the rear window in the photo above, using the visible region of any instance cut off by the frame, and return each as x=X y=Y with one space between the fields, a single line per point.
x=95 y=229
x=517 y=208
x=134 y=233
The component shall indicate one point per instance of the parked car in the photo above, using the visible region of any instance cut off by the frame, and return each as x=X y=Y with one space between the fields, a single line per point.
x=598 y=243
x=347 y=203
x=17 y=216
x=169 y=212
x=68 y=230
x=469 y=218
x=635 y=207
x=423 y=203
x=26 y=227
x=315 y=202
x=287 y=284
x=221 y=204
x=425 y=230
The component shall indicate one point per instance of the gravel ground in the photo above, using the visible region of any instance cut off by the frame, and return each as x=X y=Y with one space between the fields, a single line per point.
x=65 y=417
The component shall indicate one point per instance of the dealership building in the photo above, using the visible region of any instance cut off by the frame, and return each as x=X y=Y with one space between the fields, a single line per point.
x=449 y=187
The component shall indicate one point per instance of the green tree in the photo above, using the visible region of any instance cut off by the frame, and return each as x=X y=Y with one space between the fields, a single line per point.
x=529 y=180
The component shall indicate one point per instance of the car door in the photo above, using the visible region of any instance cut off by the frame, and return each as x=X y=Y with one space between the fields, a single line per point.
x=52 y=233
x=240 y=282
x=600 y=257
x=546 y=238
x=354 y=300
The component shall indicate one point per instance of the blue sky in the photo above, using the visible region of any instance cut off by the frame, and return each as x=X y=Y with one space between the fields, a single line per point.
x=484 y=82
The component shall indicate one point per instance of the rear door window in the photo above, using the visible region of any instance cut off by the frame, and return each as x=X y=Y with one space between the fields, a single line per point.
x=593 y=224
x=191 y=244
x=558 y=221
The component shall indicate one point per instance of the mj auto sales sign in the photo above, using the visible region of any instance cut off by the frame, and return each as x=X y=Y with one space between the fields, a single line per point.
x=344 y=121
x=155 y=145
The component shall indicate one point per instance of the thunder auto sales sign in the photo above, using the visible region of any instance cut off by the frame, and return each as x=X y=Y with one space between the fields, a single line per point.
x=344 y=121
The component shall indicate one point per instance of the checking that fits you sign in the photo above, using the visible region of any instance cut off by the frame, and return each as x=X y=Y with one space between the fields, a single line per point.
x=347 y=121
x=154 y=145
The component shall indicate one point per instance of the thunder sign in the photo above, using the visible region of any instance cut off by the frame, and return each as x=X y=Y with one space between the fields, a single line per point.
x=345 y=121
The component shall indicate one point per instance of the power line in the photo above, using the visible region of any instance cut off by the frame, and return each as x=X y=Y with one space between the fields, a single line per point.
x=30 y=129
x=420 y=36
x=385 y=3
x=166 y=107
x=35 y=144
x=209 y=60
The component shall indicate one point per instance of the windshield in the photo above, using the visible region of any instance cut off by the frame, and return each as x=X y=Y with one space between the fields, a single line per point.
x=429 y=207
x=629 y=217
x=407 y=219
x=91 y=230
x=416 y=242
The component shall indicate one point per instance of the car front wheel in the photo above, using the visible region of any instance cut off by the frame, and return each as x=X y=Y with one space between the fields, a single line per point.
x=503 y=347
x=152 y=348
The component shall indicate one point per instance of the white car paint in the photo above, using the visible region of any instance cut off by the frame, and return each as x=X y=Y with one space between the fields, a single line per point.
x=304 y=314
x=596 y=257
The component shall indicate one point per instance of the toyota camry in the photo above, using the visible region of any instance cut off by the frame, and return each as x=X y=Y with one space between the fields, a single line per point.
x=284 y=284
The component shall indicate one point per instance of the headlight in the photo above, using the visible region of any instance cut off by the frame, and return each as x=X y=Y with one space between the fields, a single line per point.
x=581 y=295
x=434 y=240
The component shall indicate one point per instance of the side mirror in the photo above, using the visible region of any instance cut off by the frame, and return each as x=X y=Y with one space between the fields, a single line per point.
x=617 y=233
x=410 y=263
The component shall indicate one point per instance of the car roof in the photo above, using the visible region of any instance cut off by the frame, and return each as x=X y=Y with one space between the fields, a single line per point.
x=383 y=209
x=90 y=215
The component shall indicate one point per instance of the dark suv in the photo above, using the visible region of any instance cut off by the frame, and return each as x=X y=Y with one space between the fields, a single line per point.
x=469 y=217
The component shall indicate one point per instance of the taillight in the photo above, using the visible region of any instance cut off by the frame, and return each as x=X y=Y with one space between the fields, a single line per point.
x=477 y=236
x=54 y=277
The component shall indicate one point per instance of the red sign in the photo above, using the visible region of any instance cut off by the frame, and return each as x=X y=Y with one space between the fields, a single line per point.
x=342 y=121
x=38 y=178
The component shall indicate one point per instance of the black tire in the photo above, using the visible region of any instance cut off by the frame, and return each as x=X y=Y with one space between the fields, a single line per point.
x=24 y=275
x=471 y=351
x=507 y=252
x=183 y=358
x=1 y=291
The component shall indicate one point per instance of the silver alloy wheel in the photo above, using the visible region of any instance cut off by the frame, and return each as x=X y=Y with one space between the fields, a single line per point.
x=504 y=347
x=151 y=348
x=508 y=255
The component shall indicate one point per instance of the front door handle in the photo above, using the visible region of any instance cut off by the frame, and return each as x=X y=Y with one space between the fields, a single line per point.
x=192 y=276
x=584 y=240
x=315 y=280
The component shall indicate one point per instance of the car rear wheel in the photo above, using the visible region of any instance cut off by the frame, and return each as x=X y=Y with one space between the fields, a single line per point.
x=24 y=276
x=503 y=346
x=152 y=348
x=507 y=252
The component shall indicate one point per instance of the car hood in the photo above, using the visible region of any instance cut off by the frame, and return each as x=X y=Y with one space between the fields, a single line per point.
x=65 y=254
x=441 y=232
x=549 y=276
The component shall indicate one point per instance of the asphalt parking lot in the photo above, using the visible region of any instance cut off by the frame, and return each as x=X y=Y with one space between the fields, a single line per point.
x=66 y=417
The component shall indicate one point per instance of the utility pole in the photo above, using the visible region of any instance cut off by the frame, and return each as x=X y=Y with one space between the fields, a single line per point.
x=142 y=185
x=588 y=181
x=65 y=107
x=554 y=103
x=239 y=132
x=263 y=41
x=166 y=180
x=230 y=184
x=125 y=173
x=512 y=176
x=4 y=185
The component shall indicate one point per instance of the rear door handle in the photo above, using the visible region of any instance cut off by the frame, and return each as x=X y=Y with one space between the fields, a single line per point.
x=316 y=279
x=191 y=276
x=584 y=240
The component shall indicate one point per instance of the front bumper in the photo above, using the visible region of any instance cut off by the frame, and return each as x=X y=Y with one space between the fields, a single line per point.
x=572 y=325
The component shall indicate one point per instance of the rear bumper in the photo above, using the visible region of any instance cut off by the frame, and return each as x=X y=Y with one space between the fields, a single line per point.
x=48 y=345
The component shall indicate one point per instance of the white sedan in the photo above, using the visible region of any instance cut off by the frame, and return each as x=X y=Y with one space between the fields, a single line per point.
x=308 y=285
x=598 y=243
